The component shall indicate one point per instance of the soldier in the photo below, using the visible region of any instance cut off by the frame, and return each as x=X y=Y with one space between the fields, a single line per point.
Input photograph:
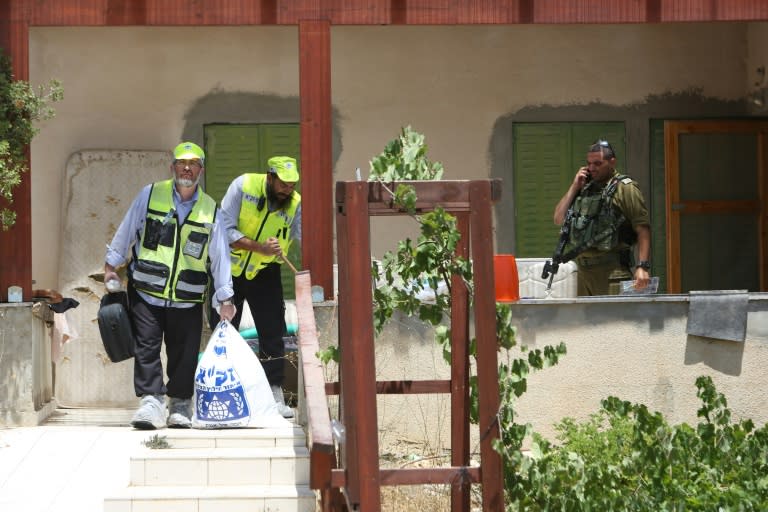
x=608 y=216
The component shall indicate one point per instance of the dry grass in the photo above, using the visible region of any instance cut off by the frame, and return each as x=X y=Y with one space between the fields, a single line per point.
x=402 y=453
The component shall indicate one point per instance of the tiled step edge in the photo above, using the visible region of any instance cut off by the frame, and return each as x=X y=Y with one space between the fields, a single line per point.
x=285 y=498
x=220 y=466
x=229 y=438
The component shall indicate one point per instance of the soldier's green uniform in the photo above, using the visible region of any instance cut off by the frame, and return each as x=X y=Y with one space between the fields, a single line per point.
x=606 y=261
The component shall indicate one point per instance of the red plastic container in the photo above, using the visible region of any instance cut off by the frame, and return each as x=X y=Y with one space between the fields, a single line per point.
x=507 y=281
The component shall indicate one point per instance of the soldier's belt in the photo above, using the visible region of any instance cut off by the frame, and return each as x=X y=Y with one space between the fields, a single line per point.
x=602 y=259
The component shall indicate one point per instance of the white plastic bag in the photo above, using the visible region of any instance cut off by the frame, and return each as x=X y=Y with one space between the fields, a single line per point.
x=231 y=389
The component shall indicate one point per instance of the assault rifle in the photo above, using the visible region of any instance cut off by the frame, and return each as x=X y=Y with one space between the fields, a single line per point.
x=551 y=266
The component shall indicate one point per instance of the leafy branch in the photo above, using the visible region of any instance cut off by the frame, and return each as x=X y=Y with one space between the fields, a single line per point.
x=20 y=106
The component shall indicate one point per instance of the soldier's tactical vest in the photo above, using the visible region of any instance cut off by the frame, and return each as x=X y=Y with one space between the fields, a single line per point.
x=595 y=222
x=258 y=223
x=171 y=260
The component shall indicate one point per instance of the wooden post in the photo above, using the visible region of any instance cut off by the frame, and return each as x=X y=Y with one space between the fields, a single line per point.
x=485 y=331
x=358 y=364
x=16 y=243
x=460 y=371
x=316 y=161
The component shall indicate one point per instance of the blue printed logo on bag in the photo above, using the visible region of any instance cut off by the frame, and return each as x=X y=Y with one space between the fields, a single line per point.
x=220 y=395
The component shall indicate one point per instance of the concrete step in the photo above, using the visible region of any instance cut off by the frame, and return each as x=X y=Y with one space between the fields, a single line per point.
x=220 y=466
x=228 y=470
x=237 y=498
x=234 y=438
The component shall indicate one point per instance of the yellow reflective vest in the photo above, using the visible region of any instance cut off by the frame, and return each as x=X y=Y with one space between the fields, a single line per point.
x=172 y=260
x=258 y=223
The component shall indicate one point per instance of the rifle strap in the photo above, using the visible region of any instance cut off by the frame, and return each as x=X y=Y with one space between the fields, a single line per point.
x=607 y=195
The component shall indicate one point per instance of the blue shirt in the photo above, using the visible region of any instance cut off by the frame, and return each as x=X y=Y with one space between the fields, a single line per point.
x=132 y=226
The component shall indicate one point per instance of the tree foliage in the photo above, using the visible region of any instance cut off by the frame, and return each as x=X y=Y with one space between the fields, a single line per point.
x=405 y=158
x=20 y=106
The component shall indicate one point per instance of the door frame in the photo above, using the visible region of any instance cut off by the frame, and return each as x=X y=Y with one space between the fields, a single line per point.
x=674 y=206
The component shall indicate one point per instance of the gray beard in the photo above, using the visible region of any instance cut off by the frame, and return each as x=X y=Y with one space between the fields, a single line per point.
x=185 y=183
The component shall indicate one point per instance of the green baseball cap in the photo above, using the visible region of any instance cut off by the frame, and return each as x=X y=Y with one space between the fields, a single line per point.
x=285 y=167
x=188 y=151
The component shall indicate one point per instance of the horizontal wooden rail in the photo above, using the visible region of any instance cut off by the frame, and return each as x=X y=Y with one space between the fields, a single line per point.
x=414 y=476
x=400 y=387
x=452 y=196
x=717 y=207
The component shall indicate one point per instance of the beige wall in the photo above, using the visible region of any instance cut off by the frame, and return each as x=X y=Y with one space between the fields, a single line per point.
x=639 y=351
x=133 y=88
x=629 y=347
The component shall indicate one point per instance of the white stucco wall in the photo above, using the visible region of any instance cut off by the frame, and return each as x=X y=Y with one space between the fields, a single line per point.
x=130 y=88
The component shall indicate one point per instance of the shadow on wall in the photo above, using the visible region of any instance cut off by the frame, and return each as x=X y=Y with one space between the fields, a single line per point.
x=727 y=358
x=220 y=106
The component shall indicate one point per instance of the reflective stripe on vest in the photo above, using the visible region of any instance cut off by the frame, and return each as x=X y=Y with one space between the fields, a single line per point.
x=260 y=224
x=172 y=260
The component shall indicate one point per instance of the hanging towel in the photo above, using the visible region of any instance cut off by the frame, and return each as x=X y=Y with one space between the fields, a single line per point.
x=719 y=314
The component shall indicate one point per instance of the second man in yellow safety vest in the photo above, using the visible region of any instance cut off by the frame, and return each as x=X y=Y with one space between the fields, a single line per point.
x=264 y=215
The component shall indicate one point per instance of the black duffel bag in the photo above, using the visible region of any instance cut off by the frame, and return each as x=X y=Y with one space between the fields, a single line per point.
x=115 y=327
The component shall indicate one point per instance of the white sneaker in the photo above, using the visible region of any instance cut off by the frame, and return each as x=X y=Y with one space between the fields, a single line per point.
x=180 y=413
x=150 y=414
x=283 y=409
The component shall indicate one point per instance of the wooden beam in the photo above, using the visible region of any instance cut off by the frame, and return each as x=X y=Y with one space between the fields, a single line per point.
x=358 y=361
x=318 y=417
x=382 y=12
x=126 y=12
x=16 y=243
x=316 y=161
x=415 y=476
x=481 y=227
x=460 y=491
x=400 y=387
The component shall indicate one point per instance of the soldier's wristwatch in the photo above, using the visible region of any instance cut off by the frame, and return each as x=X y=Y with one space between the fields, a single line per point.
x=645 y=264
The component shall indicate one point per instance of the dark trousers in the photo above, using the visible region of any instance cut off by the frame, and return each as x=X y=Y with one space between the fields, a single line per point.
x=264 y=294
x=181 y=328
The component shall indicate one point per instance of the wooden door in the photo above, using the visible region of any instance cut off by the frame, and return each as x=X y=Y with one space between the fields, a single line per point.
x=716 y=205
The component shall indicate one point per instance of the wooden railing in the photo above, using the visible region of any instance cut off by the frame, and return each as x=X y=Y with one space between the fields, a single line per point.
x=314 y=403
x=358 y=473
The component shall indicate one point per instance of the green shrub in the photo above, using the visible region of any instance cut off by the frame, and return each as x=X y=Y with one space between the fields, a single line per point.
x=627 y=458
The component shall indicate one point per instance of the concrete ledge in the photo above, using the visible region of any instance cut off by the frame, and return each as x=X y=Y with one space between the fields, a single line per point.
x=26 y=373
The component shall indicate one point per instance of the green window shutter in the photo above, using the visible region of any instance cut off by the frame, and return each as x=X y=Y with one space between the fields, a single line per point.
x=280 y=140
x=584 y=134
x=541 y=153
x=657 y=205
x=284 y=140
x=546 y=156
x=231 y=150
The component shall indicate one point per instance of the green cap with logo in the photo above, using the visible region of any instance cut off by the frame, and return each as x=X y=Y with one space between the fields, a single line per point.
x=188 y=151
x=285 y=167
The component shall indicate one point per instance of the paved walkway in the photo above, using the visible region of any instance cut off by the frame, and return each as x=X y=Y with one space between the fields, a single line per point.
x=69 y=463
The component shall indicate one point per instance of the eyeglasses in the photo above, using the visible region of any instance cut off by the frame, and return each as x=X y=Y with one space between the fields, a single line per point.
x=190 y=163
